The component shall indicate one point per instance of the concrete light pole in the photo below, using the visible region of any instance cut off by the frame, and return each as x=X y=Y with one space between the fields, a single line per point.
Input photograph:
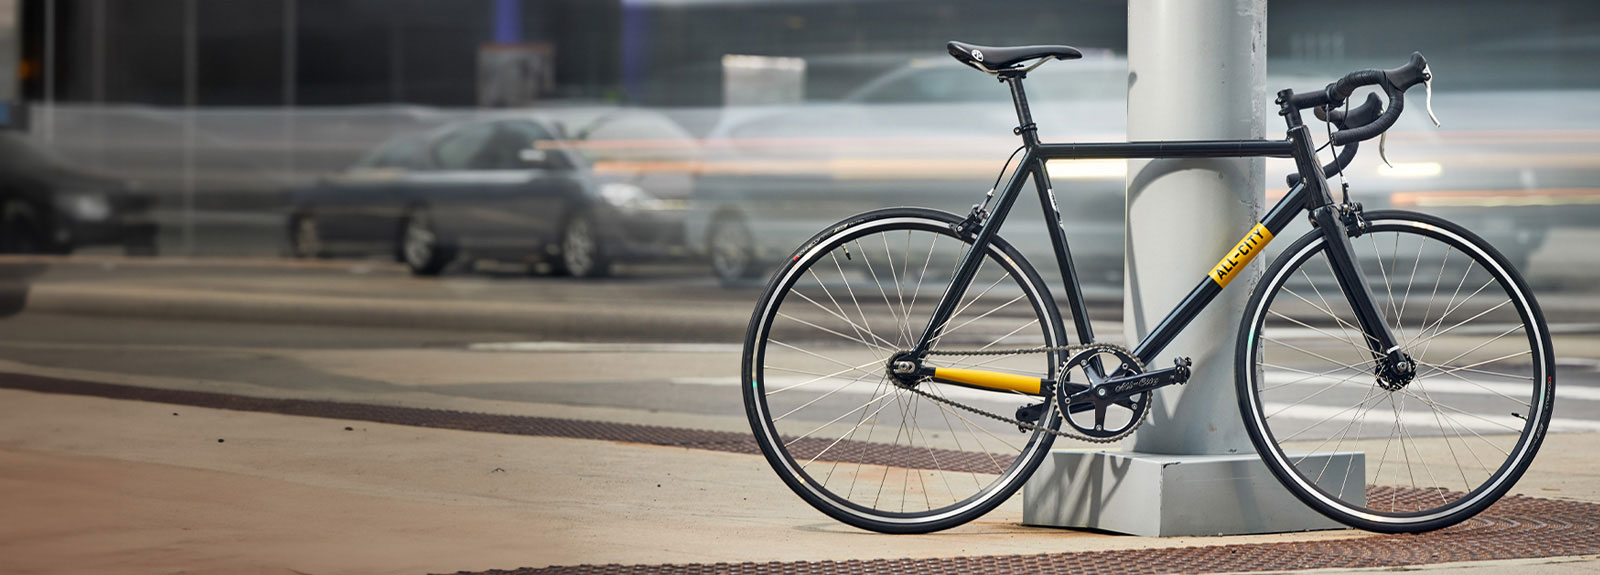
x=1196 y=71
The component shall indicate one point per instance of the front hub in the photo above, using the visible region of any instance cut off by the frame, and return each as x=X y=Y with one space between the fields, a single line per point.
x=1396 y=371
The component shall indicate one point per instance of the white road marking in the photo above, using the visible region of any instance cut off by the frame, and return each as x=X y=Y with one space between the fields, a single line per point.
x=1295 y=332
x=866 y=387
x=1418 y=416
x=1442 y=385
x=605 y=347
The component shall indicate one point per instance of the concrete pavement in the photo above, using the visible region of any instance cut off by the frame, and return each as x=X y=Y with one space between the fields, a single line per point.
x=106 y=486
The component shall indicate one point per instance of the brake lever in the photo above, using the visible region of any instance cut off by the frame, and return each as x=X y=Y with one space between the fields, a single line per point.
x=1383 y=139
x=1427 y=85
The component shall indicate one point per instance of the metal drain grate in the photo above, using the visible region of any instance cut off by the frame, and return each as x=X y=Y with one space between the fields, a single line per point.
x=1515 y=528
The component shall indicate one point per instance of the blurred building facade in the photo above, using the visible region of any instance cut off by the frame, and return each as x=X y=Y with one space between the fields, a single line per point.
x=669 y=52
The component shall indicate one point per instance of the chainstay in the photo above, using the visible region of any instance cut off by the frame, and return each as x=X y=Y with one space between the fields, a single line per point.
x=1068 y=349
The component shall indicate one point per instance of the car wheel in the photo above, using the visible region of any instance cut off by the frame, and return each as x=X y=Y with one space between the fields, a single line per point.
x=582 y=254
x=421 y=246
x=732 y=251
x=23 y=232
x=305 y=238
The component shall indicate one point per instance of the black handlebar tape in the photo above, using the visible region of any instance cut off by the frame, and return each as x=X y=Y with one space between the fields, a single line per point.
x=1317 y=99
x=1356 y=117
x=1348 y=84
x=1397 y=103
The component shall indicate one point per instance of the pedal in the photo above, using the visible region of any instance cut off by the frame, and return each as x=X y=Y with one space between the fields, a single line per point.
x=1180 y=368
x=1030 y=414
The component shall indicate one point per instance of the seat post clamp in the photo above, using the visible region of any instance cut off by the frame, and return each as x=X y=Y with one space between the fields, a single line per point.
x=1028 y=127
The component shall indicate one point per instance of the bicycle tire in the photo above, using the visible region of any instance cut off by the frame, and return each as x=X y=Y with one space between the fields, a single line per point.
x=924 y=478
x=1503 y=406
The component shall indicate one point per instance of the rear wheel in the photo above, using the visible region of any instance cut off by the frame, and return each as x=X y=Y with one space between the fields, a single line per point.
x=847 y=438
x=22 y=231
x=1438 y=448
x=306 y=237
x=421 y=246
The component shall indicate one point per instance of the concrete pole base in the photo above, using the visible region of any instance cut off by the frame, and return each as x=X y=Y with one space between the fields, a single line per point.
x=1177 y=495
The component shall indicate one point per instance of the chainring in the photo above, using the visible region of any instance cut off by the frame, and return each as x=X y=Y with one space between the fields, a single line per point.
x=1096 y=426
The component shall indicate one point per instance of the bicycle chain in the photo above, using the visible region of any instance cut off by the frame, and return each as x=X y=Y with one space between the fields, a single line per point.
x=1069 y=350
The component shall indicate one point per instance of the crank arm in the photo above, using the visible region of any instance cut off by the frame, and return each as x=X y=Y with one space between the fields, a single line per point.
x=1118 y=390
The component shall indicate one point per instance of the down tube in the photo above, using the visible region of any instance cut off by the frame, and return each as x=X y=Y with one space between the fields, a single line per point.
x=975 y=255
x=1253 y=243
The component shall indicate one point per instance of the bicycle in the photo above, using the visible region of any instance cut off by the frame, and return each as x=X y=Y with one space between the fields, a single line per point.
x=892 y=429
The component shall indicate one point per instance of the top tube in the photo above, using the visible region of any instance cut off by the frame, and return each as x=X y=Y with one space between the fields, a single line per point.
x=1168 y=149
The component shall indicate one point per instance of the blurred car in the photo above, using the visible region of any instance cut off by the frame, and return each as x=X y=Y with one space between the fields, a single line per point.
x=936 y=133
x=48 y=206
x=576 y=189
x=930 y=134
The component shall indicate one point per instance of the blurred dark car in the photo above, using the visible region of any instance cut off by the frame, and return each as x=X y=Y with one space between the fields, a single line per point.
x=48 y=206
x=936 y=133
x=575 y=189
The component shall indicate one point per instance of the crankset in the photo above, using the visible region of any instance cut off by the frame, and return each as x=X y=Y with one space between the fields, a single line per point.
x=1101 y=410
x=1110 y=408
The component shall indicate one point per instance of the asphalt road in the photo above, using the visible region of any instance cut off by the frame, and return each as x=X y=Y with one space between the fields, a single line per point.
x=497 y=366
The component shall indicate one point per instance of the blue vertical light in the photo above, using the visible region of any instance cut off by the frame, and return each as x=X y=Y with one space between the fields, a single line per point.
x=635 y=31
x=508 y=21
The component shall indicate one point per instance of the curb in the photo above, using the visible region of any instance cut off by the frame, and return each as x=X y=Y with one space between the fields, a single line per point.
x=619 y=322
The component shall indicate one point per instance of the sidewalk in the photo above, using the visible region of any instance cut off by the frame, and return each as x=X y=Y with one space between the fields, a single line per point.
x=110 y=486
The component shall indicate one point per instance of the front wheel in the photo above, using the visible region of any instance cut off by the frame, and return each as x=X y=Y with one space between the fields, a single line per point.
x=1386 y=455
x=583 y=254
x=847 y=438
x=732 y=251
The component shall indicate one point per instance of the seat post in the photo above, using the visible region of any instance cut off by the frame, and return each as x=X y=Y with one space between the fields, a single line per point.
x=1025 y=126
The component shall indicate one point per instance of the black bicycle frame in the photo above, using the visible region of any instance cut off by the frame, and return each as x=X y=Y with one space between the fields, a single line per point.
x=1311 y=194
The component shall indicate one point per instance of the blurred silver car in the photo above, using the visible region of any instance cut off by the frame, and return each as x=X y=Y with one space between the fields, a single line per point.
x=935 y=134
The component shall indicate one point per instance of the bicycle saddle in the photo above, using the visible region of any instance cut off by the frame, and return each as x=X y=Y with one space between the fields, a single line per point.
x=996 y=58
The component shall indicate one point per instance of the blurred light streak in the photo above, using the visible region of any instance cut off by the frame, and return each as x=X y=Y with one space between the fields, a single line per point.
x=1498 y=198
x=1411 y=170
x=1498 y=136
x=1087 y=169
x=865 y=169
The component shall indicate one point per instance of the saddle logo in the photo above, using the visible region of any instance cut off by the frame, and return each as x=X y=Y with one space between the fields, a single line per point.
x=1241 y=255
x=977 y=55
